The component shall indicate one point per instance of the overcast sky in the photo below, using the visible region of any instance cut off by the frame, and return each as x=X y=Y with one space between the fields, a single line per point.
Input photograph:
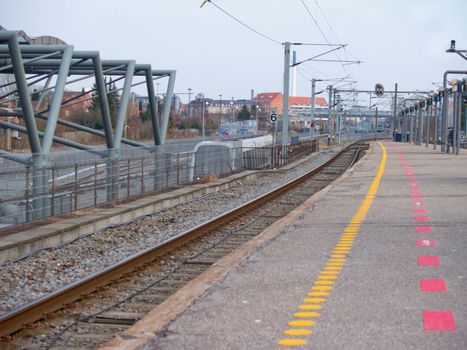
x=400 y=41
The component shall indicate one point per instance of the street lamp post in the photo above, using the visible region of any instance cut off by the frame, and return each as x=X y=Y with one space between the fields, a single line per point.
x=313 y=94
x=188 y=111
x=233 y=110
x=257 y=126
x=205 y=104
x=220 y=109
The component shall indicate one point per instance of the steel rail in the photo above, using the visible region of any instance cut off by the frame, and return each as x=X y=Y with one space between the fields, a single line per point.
x=36 y=310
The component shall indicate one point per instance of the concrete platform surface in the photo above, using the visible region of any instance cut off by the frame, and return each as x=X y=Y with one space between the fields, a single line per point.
x=378 y=261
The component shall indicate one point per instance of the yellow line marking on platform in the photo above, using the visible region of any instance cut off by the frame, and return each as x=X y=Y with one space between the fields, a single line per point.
x=318 y=294
x=314 y=300
x=322 y=286
x=297 y=332
x=309 y=307
x=329 y=272
x=292 y=342
x=301 y=323
x=327 y=277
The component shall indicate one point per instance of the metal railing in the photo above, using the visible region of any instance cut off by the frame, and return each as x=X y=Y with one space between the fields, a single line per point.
x=78 y=180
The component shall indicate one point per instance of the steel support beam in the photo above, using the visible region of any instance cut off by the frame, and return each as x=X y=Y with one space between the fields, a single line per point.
x=56 y=100
x=123 y=107
x=22 y=86
x=444 y=122
x=168 y=102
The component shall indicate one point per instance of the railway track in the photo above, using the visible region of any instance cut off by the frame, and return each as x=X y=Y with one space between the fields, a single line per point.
x=89 y=312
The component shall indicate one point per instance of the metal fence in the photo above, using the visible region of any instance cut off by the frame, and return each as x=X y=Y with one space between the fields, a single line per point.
x=80 y=180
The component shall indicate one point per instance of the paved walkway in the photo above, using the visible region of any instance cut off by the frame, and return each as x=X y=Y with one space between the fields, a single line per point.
x=378 y=262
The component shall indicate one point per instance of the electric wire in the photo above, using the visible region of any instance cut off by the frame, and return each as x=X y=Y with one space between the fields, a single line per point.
x=344 y=67
x=243 y=23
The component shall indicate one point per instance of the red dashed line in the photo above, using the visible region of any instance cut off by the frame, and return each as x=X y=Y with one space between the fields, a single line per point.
x=433 y=320
x=425 y=243
x=423 y=228
x=433 y=285
x=439 y=321
x=428 y=260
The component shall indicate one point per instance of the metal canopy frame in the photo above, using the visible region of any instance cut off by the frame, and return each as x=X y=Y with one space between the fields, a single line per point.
x=45 y=62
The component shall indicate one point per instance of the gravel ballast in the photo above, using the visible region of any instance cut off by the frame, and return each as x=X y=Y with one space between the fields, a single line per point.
x=27 y=279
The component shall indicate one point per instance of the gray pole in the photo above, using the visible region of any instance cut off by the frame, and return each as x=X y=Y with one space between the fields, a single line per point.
x=123 y=107
x=202 y=101
x=435 y=137
x=420 y=124
x=329 y=114
x=412 y=120
x=167 y=105
x=22 y=87
x=285 y=106
x=394 y=120
x=428 y=118
x=464 y=82
x=454 y=121
x=57 y=100
x=459 y=116
x=376 y=119
x=257 y=125
x=220 y=109
x=312 y=102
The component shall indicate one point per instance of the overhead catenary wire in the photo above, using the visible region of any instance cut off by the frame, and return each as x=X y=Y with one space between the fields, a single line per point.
x=241 y=22
x=344 y=67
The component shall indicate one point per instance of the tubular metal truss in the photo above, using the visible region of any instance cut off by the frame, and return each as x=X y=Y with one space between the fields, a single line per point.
x=56 y=63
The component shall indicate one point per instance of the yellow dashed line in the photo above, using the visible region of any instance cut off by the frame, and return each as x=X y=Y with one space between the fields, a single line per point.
x=321 y=288
x=318 y=294
x=327 y=277
x=292 y=342
x=297 y=332
x=301 y=323
x=309 y=307
x=314 y=300
x=329 y=272
x=323 y=285
x=306 y=314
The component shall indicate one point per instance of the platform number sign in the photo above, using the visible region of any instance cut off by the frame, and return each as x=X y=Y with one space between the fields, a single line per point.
x=273 y=117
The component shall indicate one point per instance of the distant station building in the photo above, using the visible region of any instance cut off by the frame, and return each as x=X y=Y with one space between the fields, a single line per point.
x=273 y=101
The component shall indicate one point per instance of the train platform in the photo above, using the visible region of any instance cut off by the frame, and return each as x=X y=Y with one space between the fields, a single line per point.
x=374 y=261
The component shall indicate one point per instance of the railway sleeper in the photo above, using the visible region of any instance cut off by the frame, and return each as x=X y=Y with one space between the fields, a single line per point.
x=117 y=318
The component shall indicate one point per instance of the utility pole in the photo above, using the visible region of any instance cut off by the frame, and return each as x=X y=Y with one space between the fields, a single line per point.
x=257 y=125
x=312 y=113
x=188 y=112
x=329 y=114
x=285 y=106
x=220 y=110
x=394 y=120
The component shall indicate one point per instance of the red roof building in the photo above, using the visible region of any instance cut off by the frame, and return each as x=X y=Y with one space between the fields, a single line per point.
x=273 y=101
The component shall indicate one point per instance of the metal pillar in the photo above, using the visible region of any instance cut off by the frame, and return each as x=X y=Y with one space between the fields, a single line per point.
x=445 y=107
x=285 y=105
x=312 y=103
x=437 y=99
x=393 y=129
x=420 y=124
x=429 y=105
x=329 y=114
x=166 y=110
x=458 y=117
